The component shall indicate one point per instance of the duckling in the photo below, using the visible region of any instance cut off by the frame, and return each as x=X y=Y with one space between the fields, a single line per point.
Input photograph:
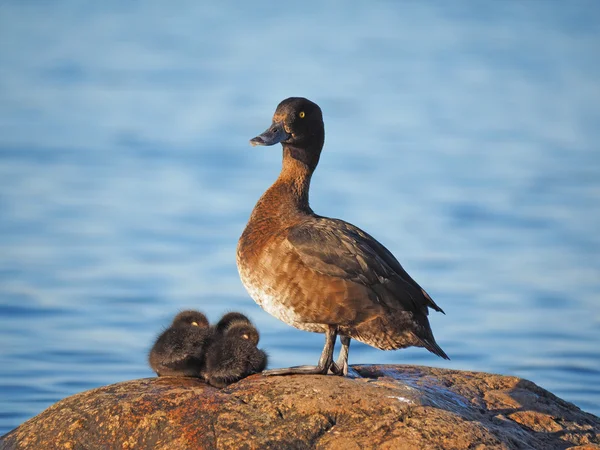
x=233 y=354
x=179 y=350
x=228 y=319
x=321 y=274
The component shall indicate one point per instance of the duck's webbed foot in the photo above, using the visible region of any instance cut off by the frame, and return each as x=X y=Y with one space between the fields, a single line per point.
x=298 y=370
x=325 y=362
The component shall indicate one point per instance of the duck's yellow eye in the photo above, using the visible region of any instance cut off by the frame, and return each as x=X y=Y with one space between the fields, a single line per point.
x=195 y=324
x=302 y=114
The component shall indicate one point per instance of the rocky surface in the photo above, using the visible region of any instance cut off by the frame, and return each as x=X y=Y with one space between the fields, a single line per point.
x=387 y=407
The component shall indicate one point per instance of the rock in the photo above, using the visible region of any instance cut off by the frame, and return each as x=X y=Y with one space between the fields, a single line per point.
x=387 y=407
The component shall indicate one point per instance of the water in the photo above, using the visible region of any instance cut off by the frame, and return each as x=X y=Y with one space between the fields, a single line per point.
x=463 y=138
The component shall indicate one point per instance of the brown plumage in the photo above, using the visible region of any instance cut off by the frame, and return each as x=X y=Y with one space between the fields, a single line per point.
x=320 y=274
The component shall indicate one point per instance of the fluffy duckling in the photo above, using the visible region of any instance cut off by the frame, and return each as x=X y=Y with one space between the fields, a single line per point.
x=233 y=354
x=179 y=350
x=228 y=319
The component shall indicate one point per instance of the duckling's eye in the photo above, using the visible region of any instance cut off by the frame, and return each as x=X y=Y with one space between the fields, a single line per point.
x=195 y=324
x=245 y=336
x=302 y=114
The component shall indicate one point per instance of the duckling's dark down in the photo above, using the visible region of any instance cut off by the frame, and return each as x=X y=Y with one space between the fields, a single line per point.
x=321 y=274
x=179 y=350
x=228 y=319
x=233 y=354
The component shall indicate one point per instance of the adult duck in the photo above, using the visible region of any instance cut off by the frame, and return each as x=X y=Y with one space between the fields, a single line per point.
x=320 y=274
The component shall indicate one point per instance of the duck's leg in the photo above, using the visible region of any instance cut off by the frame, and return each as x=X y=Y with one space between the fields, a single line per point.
x=325 y=361
x=340 y=367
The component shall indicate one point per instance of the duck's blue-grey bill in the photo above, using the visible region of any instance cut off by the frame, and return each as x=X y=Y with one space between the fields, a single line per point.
x=275 y=134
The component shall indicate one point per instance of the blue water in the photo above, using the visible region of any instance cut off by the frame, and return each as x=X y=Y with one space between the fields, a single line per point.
x=464 y=136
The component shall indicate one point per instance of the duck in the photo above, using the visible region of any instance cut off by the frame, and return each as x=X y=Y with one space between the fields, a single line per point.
x=228 y=319
x=321 y=274
x=179 y=350
x=233 y=353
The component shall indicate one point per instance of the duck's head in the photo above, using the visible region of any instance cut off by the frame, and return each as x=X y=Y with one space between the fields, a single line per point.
x=245 y=331
x=298 y=126
x=230 y=318
x=190 y=318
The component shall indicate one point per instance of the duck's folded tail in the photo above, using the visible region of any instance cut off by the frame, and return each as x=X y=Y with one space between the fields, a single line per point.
x=432 y=346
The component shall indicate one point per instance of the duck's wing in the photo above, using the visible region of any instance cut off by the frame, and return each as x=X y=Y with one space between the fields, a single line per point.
x=338 y=249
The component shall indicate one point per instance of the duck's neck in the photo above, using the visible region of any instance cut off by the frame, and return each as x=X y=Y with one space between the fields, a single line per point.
x=293 y=182
x=288 y=196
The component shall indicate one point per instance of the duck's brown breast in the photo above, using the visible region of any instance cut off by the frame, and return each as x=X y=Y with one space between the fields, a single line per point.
x=281 y=283
x=263 y=269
